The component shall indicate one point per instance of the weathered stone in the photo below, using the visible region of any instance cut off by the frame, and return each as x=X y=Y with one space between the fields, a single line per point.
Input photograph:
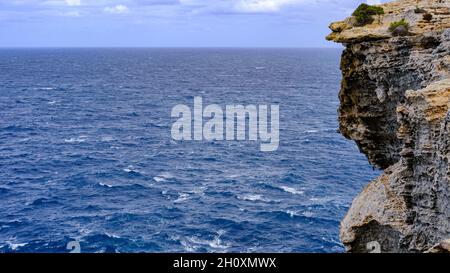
x=443 y=247
x=339 y=26
x=394 y=98
x=400 y=31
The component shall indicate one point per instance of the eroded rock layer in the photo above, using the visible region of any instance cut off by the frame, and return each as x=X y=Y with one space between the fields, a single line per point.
x=395 y=105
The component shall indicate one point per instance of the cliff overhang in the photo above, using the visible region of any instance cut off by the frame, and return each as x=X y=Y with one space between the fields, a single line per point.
x=394 y=103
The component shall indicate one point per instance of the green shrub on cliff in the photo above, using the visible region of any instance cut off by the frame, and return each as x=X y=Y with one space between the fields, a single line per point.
x=399 y=28
x=363 y=14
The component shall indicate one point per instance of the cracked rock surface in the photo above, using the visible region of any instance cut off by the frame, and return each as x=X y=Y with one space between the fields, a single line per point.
x=394 y=103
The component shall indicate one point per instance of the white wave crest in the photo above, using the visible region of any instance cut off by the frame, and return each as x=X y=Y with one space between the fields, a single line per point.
x=292 y=190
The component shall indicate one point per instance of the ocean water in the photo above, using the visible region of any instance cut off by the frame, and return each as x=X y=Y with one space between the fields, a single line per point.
x=86 y=153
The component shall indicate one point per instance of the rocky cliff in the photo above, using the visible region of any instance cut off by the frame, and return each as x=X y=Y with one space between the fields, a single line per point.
x=395 y=105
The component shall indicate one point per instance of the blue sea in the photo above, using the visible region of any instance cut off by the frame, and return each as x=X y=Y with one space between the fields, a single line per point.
x=86 y=152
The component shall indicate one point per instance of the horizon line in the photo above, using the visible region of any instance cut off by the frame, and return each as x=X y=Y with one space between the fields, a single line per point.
x=167 y=47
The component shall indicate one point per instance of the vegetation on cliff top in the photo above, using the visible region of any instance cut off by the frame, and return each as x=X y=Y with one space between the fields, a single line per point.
x=399 y=28
x=363 y=14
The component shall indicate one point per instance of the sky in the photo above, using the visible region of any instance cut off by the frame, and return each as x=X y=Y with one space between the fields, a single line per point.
x=170 y=23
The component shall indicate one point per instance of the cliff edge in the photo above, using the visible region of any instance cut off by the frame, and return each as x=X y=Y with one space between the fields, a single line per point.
x=394 y=103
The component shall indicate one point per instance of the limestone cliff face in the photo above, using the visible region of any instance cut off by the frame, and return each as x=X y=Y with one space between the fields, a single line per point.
x=395 y=105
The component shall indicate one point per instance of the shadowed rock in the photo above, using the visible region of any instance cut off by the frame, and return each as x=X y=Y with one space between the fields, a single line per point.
x=394 y=103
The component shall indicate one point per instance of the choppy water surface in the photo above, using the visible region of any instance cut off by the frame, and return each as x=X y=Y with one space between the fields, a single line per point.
x=86 y=152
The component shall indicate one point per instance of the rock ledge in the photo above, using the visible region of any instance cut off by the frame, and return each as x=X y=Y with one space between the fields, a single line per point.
x=394 y=99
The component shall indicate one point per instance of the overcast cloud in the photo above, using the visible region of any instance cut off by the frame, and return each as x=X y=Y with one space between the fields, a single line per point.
x=183 y=23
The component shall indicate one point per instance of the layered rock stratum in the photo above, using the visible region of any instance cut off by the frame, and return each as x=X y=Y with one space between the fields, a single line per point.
x=394 y=103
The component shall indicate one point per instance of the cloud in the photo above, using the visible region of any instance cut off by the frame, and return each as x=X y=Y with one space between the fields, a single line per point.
x=73 y=2
x=70 y=14
x=245 y=6
x=172 y=10
x=264 y=5
x=117 y=9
